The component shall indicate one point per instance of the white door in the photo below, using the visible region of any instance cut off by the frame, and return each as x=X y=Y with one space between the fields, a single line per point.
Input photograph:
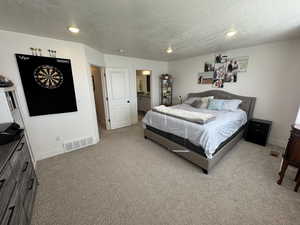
x=118 y=97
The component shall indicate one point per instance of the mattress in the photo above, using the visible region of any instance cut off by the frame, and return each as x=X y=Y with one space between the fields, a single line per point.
x=207 y=136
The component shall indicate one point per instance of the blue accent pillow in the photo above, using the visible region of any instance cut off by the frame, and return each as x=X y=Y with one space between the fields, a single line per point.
x=215 y=104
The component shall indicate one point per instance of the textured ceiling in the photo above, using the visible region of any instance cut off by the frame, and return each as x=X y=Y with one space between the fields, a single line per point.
x=145 y=28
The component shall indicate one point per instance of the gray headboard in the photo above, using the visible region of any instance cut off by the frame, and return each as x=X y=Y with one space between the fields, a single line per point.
x=248 y=103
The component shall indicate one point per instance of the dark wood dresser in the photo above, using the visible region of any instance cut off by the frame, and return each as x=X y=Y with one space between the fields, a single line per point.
x=18 y=183
x=258 y=131
x=291 y=155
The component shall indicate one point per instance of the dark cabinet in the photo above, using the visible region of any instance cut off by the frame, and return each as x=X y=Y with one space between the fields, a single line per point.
x=258 y=131
x=291 y=155
x=18 y=183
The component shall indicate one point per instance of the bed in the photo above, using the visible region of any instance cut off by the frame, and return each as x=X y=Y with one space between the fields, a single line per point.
x=201 y=144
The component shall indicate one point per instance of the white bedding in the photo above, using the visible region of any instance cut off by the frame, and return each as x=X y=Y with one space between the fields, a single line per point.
x=196 y=117
x=209 y=136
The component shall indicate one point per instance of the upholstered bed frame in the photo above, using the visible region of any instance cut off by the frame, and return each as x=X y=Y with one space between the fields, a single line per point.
x=248 y=104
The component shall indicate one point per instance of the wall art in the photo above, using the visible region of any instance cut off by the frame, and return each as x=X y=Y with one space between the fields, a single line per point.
x=242 y=62
x=225 y=69
x=206 y=78
x=48 y=84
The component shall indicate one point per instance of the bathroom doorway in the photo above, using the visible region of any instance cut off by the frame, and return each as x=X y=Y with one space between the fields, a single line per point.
x=143 y=86
x=99 y=86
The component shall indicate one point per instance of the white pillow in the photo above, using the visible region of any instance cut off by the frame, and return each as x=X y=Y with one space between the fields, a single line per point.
x=204 y=102
x=231 y=105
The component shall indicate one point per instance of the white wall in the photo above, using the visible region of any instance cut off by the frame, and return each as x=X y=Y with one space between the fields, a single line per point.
x=94 y=57
x=273 y=77
x=133 y=64
x=47 y=133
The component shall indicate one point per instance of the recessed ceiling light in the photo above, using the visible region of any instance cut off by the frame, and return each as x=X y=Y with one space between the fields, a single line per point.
x=169 y=50
x=231 y=33
x=73 y=29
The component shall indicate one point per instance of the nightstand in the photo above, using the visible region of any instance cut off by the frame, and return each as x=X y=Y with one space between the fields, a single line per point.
x=258 y=131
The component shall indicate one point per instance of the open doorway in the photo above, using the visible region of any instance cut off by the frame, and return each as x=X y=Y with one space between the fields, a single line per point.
x=143 y=85
x=99 y=86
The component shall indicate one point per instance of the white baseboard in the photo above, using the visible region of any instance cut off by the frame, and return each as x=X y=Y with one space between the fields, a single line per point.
x=278 y=142
x=47 y=155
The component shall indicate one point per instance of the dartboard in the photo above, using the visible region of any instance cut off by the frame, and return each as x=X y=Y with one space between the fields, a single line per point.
x=48 y=77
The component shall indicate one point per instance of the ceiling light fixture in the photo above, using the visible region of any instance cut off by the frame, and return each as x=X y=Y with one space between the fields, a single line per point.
x=169 y=50
x=231 y=33
x=73 y=29
x=146 y=72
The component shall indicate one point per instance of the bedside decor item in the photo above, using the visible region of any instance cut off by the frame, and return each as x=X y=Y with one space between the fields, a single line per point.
x=291 y=155
x=48 y=84
x=166 y=83
x=258 y=131
x=5 y=82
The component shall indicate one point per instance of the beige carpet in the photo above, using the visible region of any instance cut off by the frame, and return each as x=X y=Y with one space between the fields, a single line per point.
x=127 y=180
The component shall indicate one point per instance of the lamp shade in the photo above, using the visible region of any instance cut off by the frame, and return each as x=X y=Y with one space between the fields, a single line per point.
x=298 y=117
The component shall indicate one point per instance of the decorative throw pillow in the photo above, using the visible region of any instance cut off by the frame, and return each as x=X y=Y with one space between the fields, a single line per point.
x=215 y=104
x=204 y=102
x=190 y=100
x=231 y=105
x=197 y=103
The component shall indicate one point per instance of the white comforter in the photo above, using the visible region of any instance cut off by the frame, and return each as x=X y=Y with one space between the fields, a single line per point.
x=209 y=136
x=197 y=117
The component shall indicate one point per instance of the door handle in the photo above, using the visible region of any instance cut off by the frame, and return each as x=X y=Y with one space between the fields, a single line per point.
x=128 y=101
x=22 y=145
x=2 y=183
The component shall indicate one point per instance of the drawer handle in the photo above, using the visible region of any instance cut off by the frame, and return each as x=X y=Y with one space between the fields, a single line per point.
x=12 y=209
x=2 y=183
x=31 y=184
x=22 y=145
x=25 y=167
